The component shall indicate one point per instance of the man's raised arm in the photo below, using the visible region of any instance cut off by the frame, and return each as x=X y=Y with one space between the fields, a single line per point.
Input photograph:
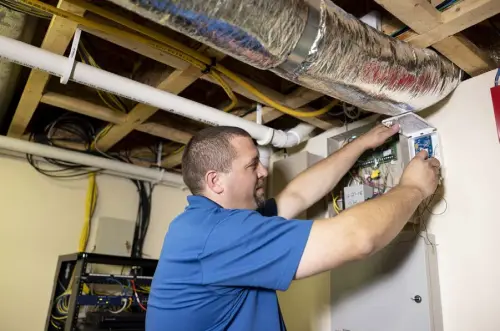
x=314 y=183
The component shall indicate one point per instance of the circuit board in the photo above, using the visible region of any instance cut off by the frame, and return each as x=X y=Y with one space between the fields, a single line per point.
x=380 y=155
x=424 y=143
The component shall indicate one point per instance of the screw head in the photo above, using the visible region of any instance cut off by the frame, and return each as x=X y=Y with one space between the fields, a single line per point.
x=417 y=298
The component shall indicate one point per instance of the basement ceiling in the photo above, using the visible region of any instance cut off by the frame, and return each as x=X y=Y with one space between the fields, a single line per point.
x=47 y=111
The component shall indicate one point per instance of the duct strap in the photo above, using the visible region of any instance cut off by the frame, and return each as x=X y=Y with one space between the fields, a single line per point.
x=70 y=66
x=307 y=39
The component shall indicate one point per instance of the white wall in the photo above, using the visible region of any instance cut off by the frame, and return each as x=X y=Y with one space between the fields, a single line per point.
x=467 y=234
x=41 y=218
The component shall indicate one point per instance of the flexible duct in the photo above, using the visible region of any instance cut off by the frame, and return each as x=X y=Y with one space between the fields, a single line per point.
x=19 y=26
x=313 y=43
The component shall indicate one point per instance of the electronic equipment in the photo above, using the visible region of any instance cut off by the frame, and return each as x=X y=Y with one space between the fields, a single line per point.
x=416 y=135
x=356 y=194
x=108 y=321
x=86 y=298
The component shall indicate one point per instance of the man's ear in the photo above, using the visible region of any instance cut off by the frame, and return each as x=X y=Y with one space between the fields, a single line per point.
x=214 y=182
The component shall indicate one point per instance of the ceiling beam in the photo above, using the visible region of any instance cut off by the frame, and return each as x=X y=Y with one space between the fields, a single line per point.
x=422 y=17
x=174 y=83
x=139 y=48
x=106 y=114
x=57 y=39
x=472 y=59
x=419 y=15
x=83 y=107
x=462 y=16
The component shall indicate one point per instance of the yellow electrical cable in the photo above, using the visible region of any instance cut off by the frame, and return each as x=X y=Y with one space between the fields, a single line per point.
x=227 y=89
x=335 y=205
x=54 y=325
x=100 y=135
x=118 y=104
x=99 y=92
x=166 y=45
x=89 y=210
x=59 y=317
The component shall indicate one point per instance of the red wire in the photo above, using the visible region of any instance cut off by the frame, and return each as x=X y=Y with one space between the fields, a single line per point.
x=137 y=296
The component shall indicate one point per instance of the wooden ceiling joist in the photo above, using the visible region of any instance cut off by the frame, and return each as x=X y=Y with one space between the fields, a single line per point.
x=109 y=115
x=423 y=18
x=83 y=107
x=57 y=39
x=462 y=16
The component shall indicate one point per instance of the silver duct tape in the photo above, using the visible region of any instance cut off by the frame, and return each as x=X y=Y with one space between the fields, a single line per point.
x=308 y=42
x=347 y=59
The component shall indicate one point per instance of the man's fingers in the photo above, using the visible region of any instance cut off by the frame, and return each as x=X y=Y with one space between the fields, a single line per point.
x=434 y=162
x=389 y=131
x=422 y=154
x=395 y=128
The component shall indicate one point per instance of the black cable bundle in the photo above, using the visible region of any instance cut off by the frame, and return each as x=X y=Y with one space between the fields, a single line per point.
x=84 y=132
x=145 y=191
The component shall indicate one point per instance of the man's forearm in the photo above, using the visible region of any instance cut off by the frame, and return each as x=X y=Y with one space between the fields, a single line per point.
x=358 y=232
x=315 y=182
x=381 y=219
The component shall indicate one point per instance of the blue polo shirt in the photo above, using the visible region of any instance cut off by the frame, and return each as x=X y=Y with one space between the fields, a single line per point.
x=219 y=269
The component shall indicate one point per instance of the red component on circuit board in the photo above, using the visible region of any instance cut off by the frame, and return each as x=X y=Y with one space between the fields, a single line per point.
x=495 y=96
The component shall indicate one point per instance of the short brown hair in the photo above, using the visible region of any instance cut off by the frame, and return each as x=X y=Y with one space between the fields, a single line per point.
x=209 y=149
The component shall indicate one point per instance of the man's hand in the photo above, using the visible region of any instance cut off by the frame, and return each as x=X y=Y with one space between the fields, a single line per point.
x=422 y=174
x=378 y=135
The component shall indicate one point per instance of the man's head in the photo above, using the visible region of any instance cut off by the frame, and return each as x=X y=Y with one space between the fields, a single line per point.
x=222 y=163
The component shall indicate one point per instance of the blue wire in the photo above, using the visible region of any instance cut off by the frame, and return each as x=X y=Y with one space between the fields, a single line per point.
x=119 y=283
x=441 y=7
x=497 y=77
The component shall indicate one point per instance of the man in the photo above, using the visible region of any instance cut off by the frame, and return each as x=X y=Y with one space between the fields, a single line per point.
x=222 y=261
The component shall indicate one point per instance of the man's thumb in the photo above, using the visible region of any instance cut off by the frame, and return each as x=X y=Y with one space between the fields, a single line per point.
x=422 y=154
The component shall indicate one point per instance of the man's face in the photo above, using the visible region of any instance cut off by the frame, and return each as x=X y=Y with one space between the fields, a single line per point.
x=245 y=183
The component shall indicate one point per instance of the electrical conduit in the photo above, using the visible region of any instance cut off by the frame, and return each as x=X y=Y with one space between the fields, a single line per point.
x=109 y=166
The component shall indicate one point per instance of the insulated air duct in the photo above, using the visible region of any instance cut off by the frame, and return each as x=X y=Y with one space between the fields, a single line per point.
x=16 y=25
x=313 y=43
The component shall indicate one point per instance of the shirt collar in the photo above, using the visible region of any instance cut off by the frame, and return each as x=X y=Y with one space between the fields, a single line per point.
x=198 y=201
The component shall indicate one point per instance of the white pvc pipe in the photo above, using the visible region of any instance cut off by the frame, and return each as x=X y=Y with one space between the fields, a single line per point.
x=265 y=155
x=111 y=166
x=298 y=134
x=56 y=65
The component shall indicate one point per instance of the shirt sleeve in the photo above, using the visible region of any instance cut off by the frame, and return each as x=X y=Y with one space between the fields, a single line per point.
x=269 y=209
x=248 y=249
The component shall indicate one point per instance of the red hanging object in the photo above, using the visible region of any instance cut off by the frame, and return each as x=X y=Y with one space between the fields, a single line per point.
x=495 y=96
